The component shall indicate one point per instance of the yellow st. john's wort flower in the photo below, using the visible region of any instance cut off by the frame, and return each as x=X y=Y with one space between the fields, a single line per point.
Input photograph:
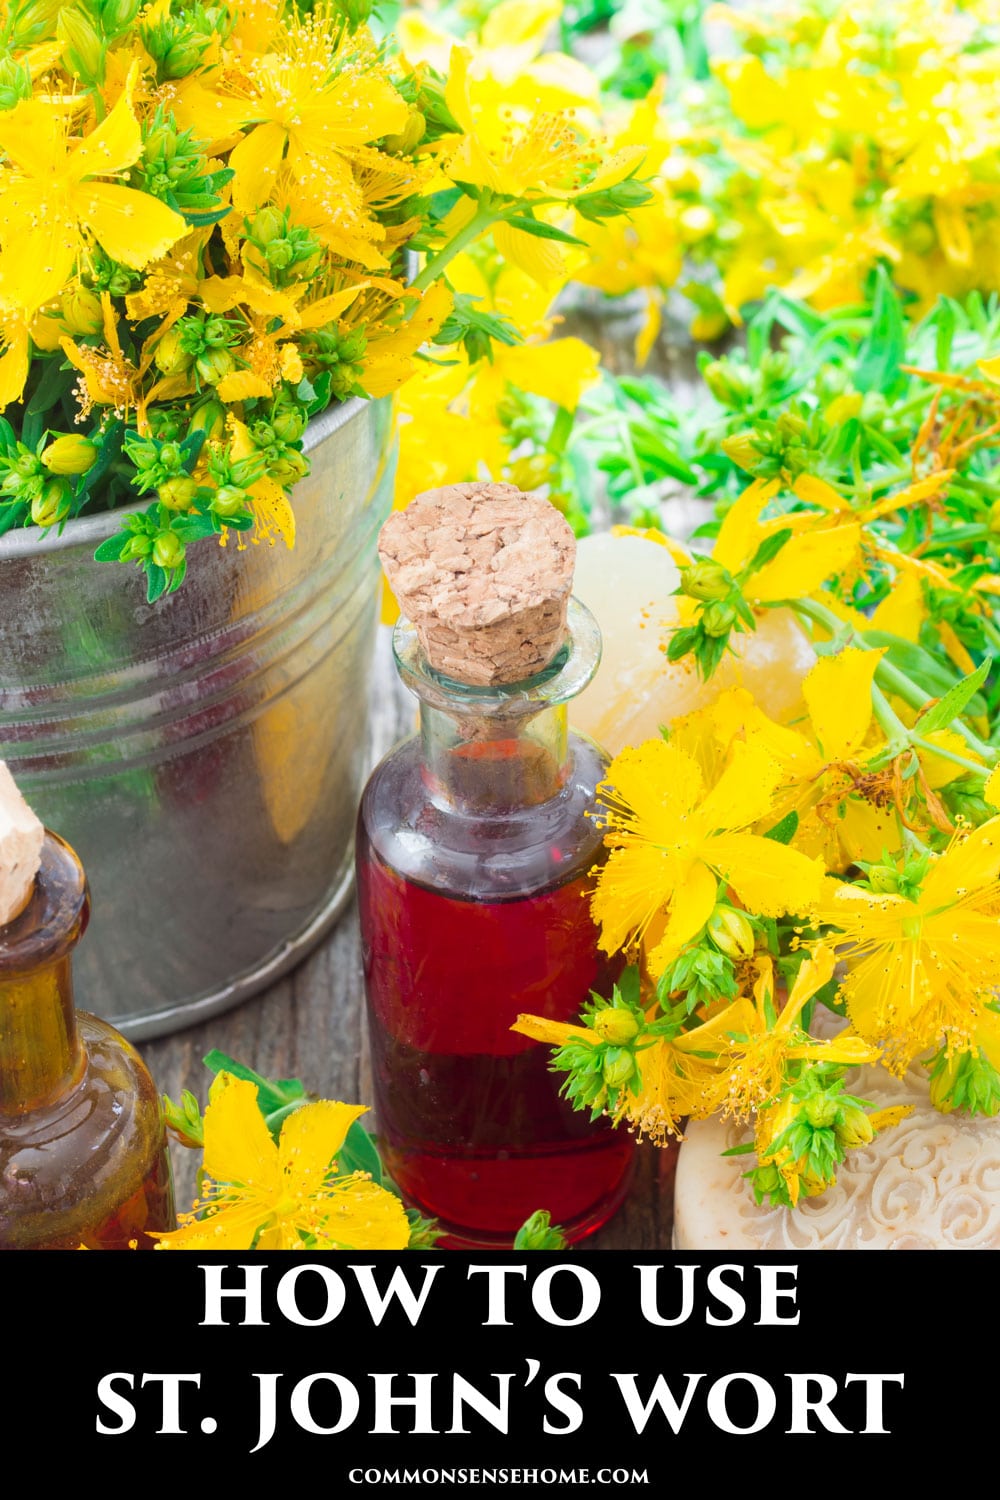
x=52 y=203
x=267 y=1196
x=671 y=842
x=923 y=964
x=750 y=1043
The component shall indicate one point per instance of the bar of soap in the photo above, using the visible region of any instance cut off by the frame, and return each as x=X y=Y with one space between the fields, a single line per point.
x=21 y=839
x=930 y=1183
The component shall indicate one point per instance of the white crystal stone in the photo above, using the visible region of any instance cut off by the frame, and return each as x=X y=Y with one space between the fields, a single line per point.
x=21 y=839
x=930 y=1183
x=627 y=582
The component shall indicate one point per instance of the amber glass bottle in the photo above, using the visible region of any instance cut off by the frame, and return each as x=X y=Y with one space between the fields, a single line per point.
x=83 y=1152
x=476 y=842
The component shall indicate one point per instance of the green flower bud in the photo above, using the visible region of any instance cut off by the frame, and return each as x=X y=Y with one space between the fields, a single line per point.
x=15 y=82
x=70 y=454
x=884 y=879
x=289 y=468
x=618 y=1067
x=706 y=580
x=409 y=137
x=33 y=21
x=137 y=547
x=727 y=381
x=218 y=333
x=854 y=1128
x=168 y=550
x=81 y=310
x=117 y=15
x=289 y=425
x=170 y=357
x=177 y=493
x=613 y=1024
x=52 y=504
x=171 y=456
x=83 y=47
x=214 y=365
x=268 y=224
x=229 y=501
x=718 y=618
x=767 y=1179
x=209 y=418
x=821 y=1111
x=731 y=932
x=247 y=470
x=27 y=465
x=142 y=453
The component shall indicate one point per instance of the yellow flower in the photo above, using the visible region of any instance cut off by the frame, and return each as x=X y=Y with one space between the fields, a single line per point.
x=750 y=1050
x=307 y=108
x=921 y=969
x=272 y=1197
x=51 y=203
x=671 y=842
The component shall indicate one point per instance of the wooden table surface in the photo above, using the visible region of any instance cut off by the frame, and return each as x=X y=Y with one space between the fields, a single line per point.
x=311 y=1024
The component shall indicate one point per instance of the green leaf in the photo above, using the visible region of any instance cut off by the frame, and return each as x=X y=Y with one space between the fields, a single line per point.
x=272 y=1093
x=359 y=1154
x=543 y=231
x=11 y=513
x=156 y=582
x=54 y=381
x=884 y=350
x=766 y=552
x=112 y=549
x=110 y=448
x=954 y=702
x=785 y=829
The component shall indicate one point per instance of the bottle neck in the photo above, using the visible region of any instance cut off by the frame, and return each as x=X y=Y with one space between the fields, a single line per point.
x=502 y=747
x=41 y=1057
x=494 y=762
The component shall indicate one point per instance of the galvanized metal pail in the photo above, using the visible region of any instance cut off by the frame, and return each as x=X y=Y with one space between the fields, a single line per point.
x=205 y=754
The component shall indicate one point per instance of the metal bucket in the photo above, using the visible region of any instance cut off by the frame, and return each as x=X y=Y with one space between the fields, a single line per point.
x=205 y=754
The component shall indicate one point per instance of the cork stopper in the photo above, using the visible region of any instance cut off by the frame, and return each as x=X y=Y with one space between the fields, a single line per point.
x=484 y=573
x=21 y=839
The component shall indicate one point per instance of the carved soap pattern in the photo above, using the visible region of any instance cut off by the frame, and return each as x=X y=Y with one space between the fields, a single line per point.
x=932 y=1182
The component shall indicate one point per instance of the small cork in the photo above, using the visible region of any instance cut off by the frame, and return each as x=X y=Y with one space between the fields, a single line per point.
x=484 y=573
x=21 y=839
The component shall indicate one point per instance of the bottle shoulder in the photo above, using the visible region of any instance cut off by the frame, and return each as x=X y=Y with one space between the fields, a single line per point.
x=481 y=854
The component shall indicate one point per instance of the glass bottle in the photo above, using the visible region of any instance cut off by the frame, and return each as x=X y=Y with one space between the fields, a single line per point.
x=83 y=1150
x=474 y=850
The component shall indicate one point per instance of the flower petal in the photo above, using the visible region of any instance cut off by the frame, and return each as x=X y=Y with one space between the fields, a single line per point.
x=769 y=878
x=363 y=1216
x=838 y=694
x=131 y=226
x=310 y=1140
x=744 y=792
x=967 y=866
x=231 y=1228
x=690 y=908
x=113 y=146
x=238 y=1144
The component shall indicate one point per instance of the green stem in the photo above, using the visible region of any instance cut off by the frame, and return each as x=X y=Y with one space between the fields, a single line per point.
x=959 y=760
x=481 y=220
